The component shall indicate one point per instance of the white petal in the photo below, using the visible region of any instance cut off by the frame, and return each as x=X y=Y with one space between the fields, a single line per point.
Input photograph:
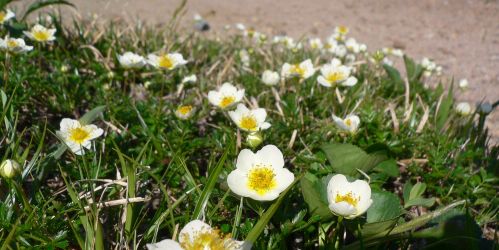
x=269 y=196
x=188 y=233
x=260 y=115
x=239 y=95
x=284 y=178
x=265 y=125
x=214 y=97
x=68 y=124
x=322 y=81
x=245 y=160
x=94 y=131
x=237 y=181
x=351 y=81
x=164 y=245
x=270 y=154
x=342 y=209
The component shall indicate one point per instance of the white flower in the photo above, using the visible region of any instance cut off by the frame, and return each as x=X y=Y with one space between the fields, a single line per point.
x=225 y=96
x=463 y=84
x=184 y=112
x=245 y=57
x=393 y=52
x=341 y=30
x=428 y=64
x=240 y=26
x=331 y=44
x=348 y=199
x=270 y=77
x=199 y=235
x=340 y=50
x=463 y=108
x=336 y=73
x=131 y=60
x=40 y=34
x=350 y=123
x=6 y=15
x=352 y=45
x=249 y=120
x=260 y=176
x=78 y=137
x=14 y=45
x=315 y=43
x=9 y=168
x=168 y=61
x=303 y=70
x=190 y=78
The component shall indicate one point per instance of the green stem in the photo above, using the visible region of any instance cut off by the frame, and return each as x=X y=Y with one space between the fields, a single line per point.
x=239 y=212
x=337 y=233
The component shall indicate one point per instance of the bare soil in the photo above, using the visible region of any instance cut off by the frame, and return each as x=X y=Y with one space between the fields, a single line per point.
x=460 y=35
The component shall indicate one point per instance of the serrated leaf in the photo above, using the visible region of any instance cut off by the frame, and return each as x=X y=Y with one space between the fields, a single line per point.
x=385 y=206
x=315 y=194
x=91 y=115
x=425 y=202
x=347 y=158
x=388 y=167
x=417 y=191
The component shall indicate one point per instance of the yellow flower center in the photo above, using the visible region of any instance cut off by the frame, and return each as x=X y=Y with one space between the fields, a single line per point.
x=343 y=30
x=348 y=198
x=11 y=43
x=336 y=77
x=184 y=110
x=165 y=62
x=226 y=101
x=296 y=69
x=2 y=16
x=40 y=35
x=207 y=239
x=248 y=123
x=348 y=122
x=261 y=179
x=79 y=135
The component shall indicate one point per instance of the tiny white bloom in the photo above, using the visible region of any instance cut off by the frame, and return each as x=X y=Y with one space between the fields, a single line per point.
x=303 y=70
x=352 y=45
x=6 y=15
x=335 y=73
x=350 y=123
x=463 y=84
x=340 y=50
x=463 y=108
x=315 y=43
x=331 y=44
x=225 y=96
x=240 y=26
x=190 y=78
x=184 y=112
x=261 y=175
x=393 y=52
x=41 y=34
x=168 y=61
x=78 y=137
x=249 y=120
x=130 y=60
x=245 y=57
x=270 y=77
x=199 y=235
x=341 y=30
x=14 y=45
x=348 y=199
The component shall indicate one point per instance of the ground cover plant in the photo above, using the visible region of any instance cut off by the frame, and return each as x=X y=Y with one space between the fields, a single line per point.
x=135 y=137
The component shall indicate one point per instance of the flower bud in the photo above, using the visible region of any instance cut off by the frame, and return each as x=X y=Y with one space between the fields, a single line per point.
x=463 y=84
x=9 y=169
x=270 y=77
x=254 y=139
x=463 y=108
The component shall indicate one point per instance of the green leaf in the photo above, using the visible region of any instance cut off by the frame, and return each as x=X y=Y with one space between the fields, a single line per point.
x=413 y=70
x=388 y=167
x=315 y=194
x=264 y=220
x=394 y=75
x=373 y=228
x=445 y=108
x=91 y=115
x=347 y=158
x=4 y=3
x=425 y=202
x=386 y=206
x=407 y=191
x=210 y=184
x=43 y=3
x=417 y=191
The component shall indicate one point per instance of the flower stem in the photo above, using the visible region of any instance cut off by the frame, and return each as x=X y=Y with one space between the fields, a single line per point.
x=337 y=233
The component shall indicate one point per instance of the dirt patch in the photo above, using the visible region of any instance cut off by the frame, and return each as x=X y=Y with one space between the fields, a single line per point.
x=460 y=35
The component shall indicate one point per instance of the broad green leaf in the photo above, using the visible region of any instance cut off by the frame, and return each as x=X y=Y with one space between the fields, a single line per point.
x=315 y=195
x=394 y=75
x=417 y=190
x=43 y=3
x=388 y=167
x=373 y=228
x=347 y=158
x=385 y=206
x=406 y=191
x=413 y=70
x=425 y=202
x=91 y=115
x=264 y=220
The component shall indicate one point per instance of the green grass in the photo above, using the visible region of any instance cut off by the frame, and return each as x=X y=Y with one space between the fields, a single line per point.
x=179 y=167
